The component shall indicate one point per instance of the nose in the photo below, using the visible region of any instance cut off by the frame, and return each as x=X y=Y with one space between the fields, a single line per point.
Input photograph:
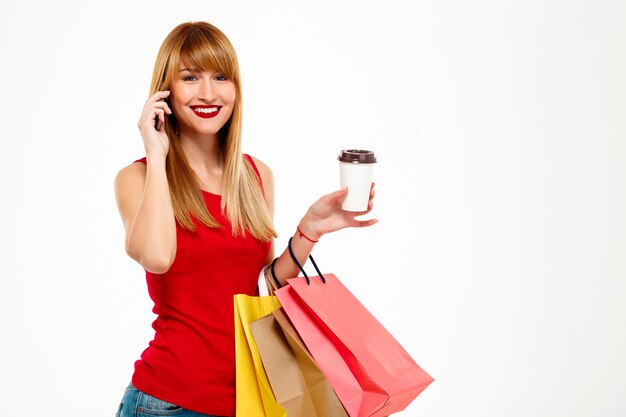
x=207 y=90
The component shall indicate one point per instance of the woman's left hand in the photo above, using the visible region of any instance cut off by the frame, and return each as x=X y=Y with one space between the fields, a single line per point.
x=326 y=215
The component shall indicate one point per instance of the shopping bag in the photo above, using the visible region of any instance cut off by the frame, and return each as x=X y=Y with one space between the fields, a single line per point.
x=298 y=384
x=370 y=371
x=254 y=393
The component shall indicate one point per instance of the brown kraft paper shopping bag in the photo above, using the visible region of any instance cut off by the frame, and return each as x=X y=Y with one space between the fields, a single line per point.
x=298 y=384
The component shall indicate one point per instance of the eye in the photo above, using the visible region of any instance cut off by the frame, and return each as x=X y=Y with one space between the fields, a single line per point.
x=220 y=77
x=190 y=78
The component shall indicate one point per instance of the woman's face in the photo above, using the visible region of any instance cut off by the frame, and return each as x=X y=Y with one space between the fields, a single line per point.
x=202 y=101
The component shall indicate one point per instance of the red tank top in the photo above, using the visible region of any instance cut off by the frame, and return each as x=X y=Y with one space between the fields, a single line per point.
x=191 y=361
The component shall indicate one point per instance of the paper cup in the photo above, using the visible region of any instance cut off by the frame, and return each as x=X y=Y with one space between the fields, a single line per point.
x=356 y=169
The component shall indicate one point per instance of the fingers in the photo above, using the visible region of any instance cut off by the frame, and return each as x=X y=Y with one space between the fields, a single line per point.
x=364 y=223
x=154 y=110
x=163 y=106
x=160 y=115
x=157 y=101
x=370 y=203
x=160 y=95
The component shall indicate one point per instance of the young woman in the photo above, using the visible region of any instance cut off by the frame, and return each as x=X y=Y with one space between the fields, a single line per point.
x=198 y=218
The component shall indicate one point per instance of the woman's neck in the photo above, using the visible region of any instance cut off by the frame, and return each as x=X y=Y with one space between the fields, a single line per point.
x=205 y=159
x=202 y=151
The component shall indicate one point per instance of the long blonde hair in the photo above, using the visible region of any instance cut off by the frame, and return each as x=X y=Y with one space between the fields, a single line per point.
x=202 y=45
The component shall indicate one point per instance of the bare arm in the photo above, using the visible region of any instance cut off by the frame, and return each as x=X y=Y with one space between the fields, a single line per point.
x=143 y=196
x=324 y=216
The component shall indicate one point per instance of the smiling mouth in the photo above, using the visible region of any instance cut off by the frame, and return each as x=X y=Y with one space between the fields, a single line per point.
x=206 y=112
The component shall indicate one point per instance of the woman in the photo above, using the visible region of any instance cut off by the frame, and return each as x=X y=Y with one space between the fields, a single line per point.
x=198 y=218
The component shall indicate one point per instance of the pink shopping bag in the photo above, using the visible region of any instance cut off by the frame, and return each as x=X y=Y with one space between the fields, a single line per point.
x=370 y=371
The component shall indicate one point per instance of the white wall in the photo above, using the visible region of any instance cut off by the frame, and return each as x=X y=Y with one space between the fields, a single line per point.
x=499 y=259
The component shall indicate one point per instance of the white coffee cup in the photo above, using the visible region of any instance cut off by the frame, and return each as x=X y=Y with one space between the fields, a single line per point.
x=356 y=169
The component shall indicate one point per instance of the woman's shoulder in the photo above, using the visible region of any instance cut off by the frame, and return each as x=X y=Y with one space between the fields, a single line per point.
x=261 y=167
x=134 y=173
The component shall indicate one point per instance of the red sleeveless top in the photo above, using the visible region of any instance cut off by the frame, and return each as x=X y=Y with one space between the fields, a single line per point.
x=191 y=361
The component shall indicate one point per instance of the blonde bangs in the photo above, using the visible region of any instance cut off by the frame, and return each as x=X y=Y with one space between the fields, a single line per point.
x=209 y=54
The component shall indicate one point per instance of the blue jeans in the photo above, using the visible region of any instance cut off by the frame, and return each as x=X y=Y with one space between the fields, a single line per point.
x=136 y=403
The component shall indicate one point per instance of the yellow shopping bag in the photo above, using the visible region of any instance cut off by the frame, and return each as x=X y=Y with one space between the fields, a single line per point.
x=254 y=392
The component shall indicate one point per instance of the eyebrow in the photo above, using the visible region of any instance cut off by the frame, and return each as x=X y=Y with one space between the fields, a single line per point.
x=190 y=69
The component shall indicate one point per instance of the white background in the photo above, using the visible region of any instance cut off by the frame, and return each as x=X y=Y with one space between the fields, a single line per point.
x=499 y=259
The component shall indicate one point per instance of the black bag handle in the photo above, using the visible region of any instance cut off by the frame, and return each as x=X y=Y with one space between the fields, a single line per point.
x=295 y=260
x=274 y=274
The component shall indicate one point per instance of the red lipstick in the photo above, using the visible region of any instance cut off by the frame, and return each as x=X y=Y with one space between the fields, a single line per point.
x=206 y=112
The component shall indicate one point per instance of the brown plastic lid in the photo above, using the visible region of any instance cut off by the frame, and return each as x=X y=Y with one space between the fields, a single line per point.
x=357 y=156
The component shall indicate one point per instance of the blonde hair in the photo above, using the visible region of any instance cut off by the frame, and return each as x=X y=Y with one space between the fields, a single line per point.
x=201 y=45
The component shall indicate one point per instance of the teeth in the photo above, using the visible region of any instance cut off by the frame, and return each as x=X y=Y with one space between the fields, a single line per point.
x=206 y=109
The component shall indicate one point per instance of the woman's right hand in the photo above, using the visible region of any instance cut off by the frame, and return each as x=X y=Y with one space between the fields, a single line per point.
x=154 y=112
